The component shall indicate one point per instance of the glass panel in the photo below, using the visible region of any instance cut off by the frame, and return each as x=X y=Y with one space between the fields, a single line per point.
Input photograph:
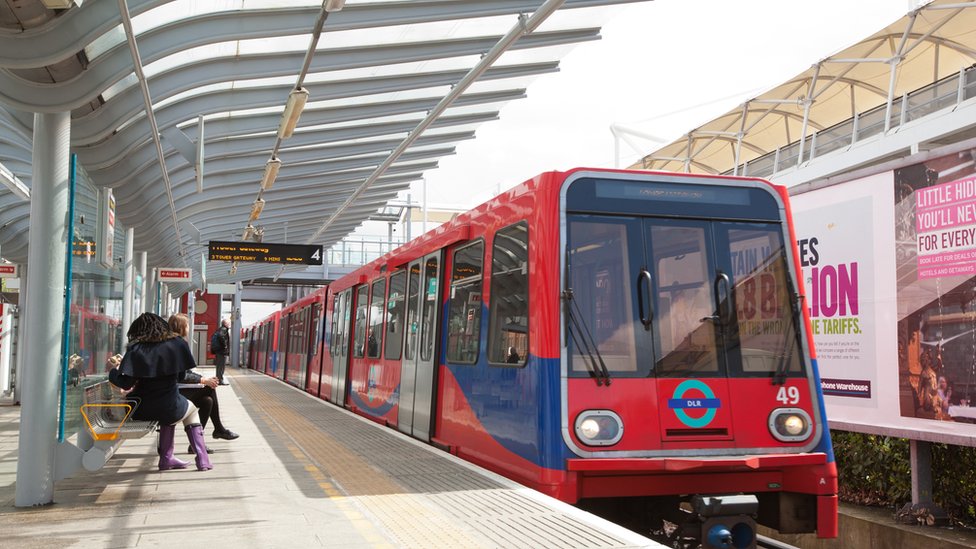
x=95 y=330
x=684 y=301
x=346 y=316
x=336 y=303
x=359 y=344
x=764 y=307
x=605 y=255
x=394 y=316
x=377 y=310
x=508 y=335
x=464 y=317
x=412 y=309
x=430 y=310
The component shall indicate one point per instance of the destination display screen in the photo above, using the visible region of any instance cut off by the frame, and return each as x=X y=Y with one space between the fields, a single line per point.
x=263 y=252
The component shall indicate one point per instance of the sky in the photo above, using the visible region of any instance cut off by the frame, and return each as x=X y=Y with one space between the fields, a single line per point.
x=662 y=68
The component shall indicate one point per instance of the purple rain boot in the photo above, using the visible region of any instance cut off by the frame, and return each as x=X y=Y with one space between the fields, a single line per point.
x=165 y=450
x=194 y=432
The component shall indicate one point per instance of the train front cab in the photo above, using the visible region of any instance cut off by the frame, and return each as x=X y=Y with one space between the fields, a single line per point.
x=687 y=358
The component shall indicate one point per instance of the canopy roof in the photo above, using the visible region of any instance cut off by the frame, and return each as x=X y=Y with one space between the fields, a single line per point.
x=930 y=43
x=393 y=86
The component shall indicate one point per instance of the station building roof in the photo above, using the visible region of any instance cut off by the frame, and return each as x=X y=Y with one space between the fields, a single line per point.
x=932 y=42
x=392 y=87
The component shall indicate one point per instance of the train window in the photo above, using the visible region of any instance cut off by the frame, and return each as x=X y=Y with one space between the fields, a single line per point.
x=346 y=319
x=374 y=337
x=464 y=316
x=395 y=305
x=430 y=290
x=508 y=319
x=334 y=343
x=359 y=343
x=413 y=292
x=762 y=297
x=603 y=256
x=684 y=301
x=283 y=338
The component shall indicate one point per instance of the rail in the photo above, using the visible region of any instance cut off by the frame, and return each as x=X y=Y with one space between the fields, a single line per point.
x=770 y=543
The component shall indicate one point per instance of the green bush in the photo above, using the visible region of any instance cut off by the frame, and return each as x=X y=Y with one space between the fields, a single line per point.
x=876 y=470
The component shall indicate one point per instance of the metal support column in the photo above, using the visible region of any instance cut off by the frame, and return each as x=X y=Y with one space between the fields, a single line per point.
x=128 y=280
x=6 y=346
x=45 y=309
x=143 y=292
x=235 y=328
x=921 y=461
x=21 y=335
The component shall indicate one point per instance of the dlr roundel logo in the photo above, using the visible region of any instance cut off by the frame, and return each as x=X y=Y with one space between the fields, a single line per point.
x=694 y=395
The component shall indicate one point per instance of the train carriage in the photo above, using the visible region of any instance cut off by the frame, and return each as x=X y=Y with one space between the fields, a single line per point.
x=603 y=335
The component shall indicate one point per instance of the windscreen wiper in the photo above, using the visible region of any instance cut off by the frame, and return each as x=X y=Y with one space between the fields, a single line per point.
x=779 y=378
x=581 y=334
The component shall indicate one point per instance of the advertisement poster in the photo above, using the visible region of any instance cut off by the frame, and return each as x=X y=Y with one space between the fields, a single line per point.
x=889 y=268
x=836 y=241
x=935 y=212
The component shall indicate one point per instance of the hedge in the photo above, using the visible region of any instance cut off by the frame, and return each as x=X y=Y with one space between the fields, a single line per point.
x=876 y=470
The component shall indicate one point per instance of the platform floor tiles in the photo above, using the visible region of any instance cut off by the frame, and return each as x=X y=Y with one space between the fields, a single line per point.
x=303 y=473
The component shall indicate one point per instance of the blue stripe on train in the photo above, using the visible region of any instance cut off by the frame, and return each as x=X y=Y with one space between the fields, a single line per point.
x=378 y=410
x=518 y=407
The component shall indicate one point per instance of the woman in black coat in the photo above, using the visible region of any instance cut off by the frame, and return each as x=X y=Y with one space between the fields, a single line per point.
x=203 y=397
x=156 y=360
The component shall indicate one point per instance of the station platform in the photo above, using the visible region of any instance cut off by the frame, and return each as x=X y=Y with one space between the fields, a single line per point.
x=303 y=473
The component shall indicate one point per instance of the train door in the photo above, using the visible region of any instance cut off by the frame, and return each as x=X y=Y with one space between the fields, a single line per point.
x=340 y=367
x=408 y=366
x=418 y=380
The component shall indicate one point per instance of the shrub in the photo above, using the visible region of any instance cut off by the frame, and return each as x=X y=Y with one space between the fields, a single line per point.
x=876 y=470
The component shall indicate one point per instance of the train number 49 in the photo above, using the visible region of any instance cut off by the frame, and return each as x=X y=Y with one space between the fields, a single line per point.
x=788 y=395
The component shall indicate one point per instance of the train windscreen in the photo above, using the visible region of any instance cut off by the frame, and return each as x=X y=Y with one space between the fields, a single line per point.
x=679 y=289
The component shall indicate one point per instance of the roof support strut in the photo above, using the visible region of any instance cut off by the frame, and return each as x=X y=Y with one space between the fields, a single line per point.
x=523 y=27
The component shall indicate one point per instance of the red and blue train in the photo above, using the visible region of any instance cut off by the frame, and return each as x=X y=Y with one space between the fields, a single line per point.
x=610 y=338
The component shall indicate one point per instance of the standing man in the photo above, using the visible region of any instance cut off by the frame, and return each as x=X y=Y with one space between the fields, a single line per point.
x=220 y=347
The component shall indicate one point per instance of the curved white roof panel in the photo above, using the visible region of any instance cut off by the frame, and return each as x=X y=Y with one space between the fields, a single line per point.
x=375 y=119
x=932 y=42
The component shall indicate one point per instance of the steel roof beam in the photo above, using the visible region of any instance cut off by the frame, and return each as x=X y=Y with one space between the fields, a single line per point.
x=522 y=30
x=220 y=200
x=255 y=162
x=74 y=93
x=60 y=38
x=309 y=169
x=218 y=146
x=102 y=124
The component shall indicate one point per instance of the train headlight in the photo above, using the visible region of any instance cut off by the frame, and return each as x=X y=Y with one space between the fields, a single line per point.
x=790 y=424
x=599 y=427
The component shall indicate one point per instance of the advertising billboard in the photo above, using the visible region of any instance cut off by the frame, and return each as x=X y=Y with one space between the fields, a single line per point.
x=889 y=267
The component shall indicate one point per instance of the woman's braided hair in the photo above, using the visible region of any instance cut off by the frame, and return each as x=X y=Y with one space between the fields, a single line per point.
x=149 y=328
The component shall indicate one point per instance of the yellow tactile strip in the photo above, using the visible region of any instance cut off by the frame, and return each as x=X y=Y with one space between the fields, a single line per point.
x=347 y=477
x=412 y=495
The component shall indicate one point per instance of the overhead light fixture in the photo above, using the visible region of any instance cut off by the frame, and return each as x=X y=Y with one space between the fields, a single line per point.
x=256 y=209
x=13 y=183
x=293 y=111
x=259 y=234
x=270 y=172
x=333 y=5
x=60 y=4
x=248 y=232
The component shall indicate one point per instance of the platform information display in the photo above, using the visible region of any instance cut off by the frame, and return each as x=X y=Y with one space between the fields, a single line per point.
x=254 y=252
